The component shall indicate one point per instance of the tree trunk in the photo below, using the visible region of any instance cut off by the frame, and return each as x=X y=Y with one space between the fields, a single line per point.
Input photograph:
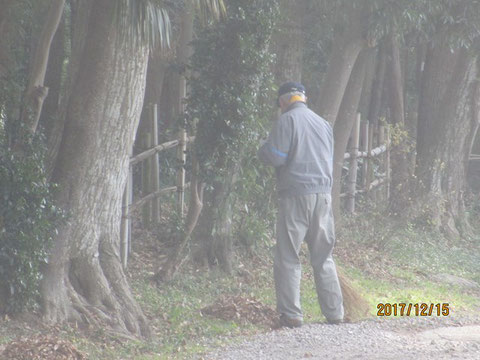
x=289 y=42
x=78 y=32
x=155 y=77
x=53 y=80
x=84 y=278
x=444 y=126
x=347 y=44
x=400 y=163
x=474 y=147
x=36 y=91
x=4 y=6
x=218 y=239
x=343 y=125
x=367 y=91
x=375 y=106
x=176 y=258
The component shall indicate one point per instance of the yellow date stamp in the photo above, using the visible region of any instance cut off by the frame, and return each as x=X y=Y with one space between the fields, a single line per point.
x=409 y=309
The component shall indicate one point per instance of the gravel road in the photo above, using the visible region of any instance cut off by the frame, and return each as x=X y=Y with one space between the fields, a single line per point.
x=405 y=338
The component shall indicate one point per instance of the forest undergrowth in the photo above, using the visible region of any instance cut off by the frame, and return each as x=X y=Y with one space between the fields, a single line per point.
x=389 y=261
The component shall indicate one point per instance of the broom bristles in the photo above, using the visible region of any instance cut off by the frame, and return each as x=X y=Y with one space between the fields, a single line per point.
x=355 y=306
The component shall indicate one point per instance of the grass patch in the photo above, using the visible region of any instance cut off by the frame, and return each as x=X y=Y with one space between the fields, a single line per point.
x=397 y=261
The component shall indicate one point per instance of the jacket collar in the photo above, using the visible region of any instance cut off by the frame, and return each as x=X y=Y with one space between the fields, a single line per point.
x=296 y=104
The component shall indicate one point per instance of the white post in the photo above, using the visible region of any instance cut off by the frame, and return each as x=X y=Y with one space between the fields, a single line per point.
x=155 y=166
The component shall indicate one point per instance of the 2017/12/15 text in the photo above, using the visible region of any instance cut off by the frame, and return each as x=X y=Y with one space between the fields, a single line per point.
x=418 y=309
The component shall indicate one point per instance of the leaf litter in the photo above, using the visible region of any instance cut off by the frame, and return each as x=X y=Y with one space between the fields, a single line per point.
x=242 y=310
x=41 y=347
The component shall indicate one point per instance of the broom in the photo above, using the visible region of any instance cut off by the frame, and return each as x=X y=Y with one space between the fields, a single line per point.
x=355 y=306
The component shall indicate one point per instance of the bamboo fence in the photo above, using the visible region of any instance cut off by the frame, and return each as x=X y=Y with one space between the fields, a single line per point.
x=151 y=190
x=360 y=179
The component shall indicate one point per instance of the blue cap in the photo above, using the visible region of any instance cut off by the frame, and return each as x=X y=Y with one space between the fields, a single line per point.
x=291 y=86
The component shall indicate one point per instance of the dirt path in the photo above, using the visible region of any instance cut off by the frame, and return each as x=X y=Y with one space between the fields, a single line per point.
x=406 y=338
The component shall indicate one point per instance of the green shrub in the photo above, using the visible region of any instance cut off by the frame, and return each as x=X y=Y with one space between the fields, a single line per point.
x=27 y=222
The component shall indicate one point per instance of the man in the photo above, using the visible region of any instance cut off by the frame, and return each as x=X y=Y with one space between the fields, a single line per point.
x=300 y=147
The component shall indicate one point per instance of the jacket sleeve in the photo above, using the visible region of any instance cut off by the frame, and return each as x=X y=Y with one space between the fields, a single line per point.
x=275 y=150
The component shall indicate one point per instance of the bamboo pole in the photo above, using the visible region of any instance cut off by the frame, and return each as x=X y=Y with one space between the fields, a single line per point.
x=148 y=198
x=146 y=177
x=364 y=141
x=181 y=155
x=381 y=142
x=124 y=228
x=155 y=166
x=165 y=146
x=146 y=154
x=361 y=154
x=134 y=206
x=352 y=172
x=387 y=162
x=368 y=159
x=130 y=201
x=185 y=51
x=126 y=221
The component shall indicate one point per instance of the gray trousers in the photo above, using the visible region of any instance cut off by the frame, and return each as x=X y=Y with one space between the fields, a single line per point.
x=306 y=217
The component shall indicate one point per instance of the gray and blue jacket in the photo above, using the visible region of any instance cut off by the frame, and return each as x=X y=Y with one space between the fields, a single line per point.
x=300 y=147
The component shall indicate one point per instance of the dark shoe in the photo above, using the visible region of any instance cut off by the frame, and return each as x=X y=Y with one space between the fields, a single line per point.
x=290 y=322
x=335 y=322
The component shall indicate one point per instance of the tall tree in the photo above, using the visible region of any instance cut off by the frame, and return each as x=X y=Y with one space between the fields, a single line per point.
x=400 y=164
x=345 y=120
x=36 y=91
x=231 y=62
x=350 y=37
x=80 y=13
x=446 y=109
x=84 y=276
x=53 y=80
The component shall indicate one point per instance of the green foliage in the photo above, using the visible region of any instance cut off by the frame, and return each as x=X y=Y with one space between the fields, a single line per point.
x=255 y=192
x=230 y=103
x=27 y=222
x=458 y=18
x=230 y=64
